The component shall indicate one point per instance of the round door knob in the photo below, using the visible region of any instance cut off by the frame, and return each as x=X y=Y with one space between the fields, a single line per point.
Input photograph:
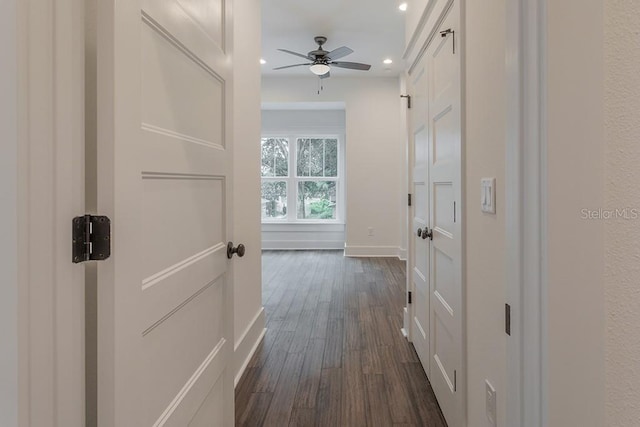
x=427 y=233
x=419 y=232
x=235 y=250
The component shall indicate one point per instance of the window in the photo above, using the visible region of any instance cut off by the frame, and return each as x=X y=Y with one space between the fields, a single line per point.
x=314 y=183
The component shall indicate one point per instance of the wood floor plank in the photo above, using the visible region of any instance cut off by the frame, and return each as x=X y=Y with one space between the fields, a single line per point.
x=333 y=354
x=310 y=376
x=302 y=417
x=334 y=342
x=279 y=411
x=329 y=401
x=270 y=372
x=377 y=409
x=255 y=410
x=354 y=397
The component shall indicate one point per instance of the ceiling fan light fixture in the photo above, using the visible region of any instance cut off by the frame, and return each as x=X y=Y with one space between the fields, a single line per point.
x=319 y=69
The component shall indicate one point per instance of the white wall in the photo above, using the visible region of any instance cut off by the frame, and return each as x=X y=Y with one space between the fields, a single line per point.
x=299 y=122
x=8 y=215
x=484 y=144
x=374 y=159
x=249 y=316
x=622 y=237
x=575 y=180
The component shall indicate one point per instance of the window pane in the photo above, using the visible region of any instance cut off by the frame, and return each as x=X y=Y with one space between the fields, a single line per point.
x=316 y=200
x=331 y=157
x=274 y=199
x=303 y=156
x=275 y=157
x=316 y=158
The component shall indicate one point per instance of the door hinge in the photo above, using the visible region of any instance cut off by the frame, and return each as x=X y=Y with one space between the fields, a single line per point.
x=455 y=380
x=408 y=100
x=507 y=319
x=454 y=212
x=91 y=238
x=448 y=31
x=409 y=297
x=409 y=198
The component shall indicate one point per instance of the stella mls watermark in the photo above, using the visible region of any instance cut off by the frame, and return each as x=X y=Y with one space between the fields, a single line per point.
x=610 y=214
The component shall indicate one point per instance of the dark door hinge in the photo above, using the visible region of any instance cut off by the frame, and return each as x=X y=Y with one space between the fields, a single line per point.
x=455 y=381
x=409 y=198
x=507 y=319
x=409 y=297
x=91 y=238
x=448 y=31
x=408 y=100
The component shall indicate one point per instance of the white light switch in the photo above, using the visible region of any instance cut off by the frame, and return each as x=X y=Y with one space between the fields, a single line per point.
x=488 y=195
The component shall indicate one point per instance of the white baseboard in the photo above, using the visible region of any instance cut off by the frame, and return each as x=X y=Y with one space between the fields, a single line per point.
x=371 y=251
x=402 y=254
x=248 y=343
x=302 y=244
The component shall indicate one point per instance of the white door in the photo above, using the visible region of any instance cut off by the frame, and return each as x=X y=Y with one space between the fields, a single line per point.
x=444 y=217
x=165 y=296
x=420 y=219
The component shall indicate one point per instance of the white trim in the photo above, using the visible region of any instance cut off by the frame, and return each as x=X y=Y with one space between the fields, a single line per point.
x=433 y=17
x=371 y=251
x=50 y=192
x=248 y=343
x=302 y=227
x=10 y=366
x=402 y=254
x=302 y=244
x=526 y=212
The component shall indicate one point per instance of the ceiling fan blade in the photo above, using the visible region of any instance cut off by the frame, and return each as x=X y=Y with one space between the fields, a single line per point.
x=326 y=76
x=291 y=66
x=351 y=65
x=296 y=54
x=339 y=53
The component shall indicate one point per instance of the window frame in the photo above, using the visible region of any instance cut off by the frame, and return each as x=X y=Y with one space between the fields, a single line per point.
x=293 y=179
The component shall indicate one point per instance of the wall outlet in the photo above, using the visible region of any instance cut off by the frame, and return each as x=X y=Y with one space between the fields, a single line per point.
x=491 y=404
x=370 y=229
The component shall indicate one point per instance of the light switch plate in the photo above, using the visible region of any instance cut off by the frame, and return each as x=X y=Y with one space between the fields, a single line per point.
x=488 y=195
x=491 y=404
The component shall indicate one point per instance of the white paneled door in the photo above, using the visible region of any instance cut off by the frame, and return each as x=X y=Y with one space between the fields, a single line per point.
x=164 y=166
x=421 y=243
x=444 y=217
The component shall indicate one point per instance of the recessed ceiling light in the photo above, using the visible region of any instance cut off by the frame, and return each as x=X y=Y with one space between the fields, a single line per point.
x=262 y=61
x=403 y=6
x=387 y=61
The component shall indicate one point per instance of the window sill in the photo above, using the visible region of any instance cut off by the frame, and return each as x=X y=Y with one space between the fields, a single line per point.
x=303 y=226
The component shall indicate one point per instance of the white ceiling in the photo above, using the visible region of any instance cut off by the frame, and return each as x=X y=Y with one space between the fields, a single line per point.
x=374 y=29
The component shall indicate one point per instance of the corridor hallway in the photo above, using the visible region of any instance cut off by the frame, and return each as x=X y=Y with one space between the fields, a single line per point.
x=333 y=354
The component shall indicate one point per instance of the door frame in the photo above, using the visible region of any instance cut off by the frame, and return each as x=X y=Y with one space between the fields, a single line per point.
x=526 y=212
x=48 y=191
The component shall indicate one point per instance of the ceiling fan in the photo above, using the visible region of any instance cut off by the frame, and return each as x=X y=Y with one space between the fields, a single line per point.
x=322 y=60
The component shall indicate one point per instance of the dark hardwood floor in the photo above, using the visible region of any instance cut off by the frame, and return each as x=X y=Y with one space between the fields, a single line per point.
x=333 y=354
